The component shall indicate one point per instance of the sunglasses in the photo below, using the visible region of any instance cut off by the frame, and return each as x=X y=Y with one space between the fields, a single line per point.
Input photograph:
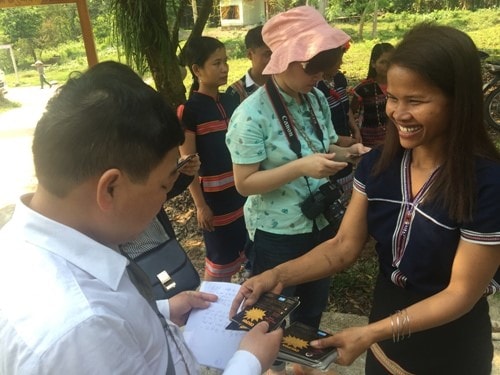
x=310 y=69
x=322 y=62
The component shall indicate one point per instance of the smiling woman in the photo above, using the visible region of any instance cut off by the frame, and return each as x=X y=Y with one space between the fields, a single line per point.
x=422 y=116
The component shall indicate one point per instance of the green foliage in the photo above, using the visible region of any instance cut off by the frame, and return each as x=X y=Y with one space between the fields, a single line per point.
x=342 y=8
x=102 y=18
x=276 y=6
x=36 y=32
x=21 y=23
x=235 y=48
x=352 y=289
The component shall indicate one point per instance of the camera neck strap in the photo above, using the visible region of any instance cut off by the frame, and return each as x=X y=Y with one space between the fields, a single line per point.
x=288 y=126
x=314 y=119
x=284 y=117
x=286 y=120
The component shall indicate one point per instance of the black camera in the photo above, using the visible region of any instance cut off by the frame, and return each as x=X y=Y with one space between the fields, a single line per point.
x=325 y=201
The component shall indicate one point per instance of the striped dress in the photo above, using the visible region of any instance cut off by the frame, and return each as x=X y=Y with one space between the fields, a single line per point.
x=338 y=101
x=373 y=119
x=208 y=119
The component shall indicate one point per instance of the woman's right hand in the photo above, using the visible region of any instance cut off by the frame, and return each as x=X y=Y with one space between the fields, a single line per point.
x=320 y=165
x=251 y=290
x=350 y=344
x=205 y=218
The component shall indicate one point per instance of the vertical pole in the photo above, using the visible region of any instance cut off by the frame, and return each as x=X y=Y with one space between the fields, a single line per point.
x=14 y=63
x=88 y=36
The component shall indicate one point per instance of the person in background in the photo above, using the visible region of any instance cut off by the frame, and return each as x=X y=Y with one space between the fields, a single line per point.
x=334 y=87
x=105 y=154
x=205 y=116
x=259 y=54
x=276 y=178
x=369 y=99
x=429 y=197
x=40 y=68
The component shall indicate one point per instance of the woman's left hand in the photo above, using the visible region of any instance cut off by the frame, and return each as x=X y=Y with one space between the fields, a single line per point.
x=356 y=134
x=181 y=304
x=192 y=166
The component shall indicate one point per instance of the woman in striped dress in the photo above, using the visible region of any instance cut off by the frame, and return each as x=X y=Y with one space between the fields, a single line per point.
x=205 y=117
x=370 y=97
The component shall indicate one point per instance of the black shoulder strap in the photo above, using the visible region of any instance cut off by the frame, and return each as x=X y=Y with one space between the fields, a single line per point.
x=314 y=119
x=180 y=185
x=165 y=222
x=284 y=117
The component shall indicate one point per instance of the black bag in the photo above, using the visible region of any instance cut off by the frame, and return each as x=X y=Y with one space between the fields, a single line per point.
x=168 y=267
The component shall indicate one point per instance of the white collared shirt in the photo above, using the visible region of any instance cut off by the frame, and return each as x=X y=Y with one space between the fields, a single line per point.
x=249 y=82
x=67 y=306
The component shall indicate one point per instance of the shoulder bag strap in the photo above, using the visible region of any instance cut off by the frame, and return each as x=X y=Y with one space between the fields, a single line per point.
x=165 y=222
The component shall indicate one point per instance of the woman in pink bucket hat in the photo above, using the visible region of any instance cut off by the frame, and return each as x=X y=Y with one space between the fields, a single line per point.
x=282 y=145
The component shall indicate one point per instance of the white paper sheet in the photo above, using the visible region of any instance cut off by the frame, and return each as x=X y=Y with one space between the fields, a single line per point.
x=205 y=331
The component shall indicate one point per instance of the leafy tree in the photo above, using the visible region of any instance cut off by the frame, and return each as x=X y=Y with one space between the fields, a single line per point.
x=101 y=18
x=277 y=6
x=34 y=29
x=22 y=24
x=149 y=33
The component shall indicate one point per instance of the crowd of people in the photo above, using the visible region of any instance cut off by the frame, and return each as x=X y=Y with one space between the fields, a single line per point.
x=289 y=177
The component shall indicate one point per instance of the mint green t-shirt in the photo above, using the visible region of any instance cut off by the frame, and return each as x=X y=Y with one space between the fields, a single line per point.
x=255 y=135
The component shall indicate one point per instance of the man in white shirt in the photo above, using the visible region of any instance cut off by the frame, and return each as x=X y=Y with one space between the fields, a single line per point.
x=105 y=154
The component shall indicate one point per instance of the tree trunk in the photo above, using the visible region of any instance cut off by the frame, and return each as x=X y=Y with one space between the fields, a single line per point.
x=362 y=20
x=202 y=19
x=375 y=17
x=166 y=74
x=194 y=7
x=148 y=39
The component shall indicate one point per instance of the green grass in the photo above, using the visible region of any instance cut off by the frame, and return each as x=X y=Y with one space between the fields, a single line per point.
x=6 y=105
x=352 y=289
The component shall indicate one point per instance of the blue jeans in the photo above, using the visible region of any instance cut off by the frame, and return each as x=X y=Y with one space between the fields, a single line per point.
x=270 y=250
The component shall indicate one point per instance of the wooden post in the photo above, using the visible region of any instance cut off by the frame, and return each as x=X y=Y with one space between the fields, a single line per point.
x=88 y=35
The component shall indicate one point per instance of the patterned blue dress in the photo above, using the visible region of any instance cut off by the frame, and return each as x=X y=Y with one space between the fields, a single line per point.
x=416 y=246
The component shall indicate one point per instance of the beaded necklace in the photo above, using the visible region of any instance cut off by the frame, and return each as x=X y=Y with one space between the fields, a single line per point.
x=331 y=87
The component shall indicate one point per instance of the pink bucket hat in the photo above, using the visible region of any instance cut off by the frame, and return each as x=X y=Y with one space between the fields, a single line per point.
x=299 y=34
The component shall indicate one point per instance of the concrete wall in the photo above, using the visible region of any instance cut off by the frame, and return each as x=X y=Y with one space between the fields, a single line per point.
x=241 y=12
